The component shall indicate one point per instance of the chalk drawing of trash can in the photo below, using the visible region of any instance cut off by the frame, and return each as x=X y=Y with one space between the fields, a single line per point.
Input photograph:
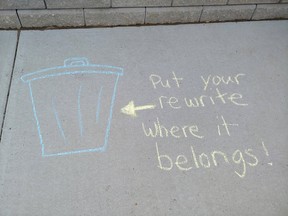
x=73 y=106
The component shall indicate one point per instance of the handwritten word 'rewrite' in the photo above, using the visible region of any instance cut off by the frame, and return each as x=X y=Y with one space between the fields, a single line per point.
x=201 y=101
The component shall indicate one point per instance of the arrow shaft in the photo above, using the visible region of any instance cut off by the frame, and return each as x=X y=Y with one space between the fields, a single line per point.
x=144 y=107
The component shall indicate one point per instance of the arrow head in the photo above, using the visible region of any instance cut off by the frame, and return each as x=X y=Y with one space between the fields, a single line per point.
x=129 y=109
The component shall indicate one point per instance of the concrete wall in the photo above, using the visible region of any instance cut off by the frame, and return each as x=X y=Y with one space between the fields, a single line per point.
x=15 y=14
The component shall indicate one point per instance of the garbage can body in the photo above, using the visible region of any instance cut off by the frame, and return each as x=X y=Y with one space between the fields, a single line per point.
x=73 y=106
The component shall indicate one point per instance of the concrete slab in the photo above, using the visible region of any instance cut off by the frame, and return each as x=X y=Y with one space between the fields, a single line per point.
x=9 y=19
x=56 y=18
x=114 y=17
x=198 y=2
x=8 y=41
x=140 y=3
x=173 y=15
x=76 y=139
x=78 y=4
x=27 y=4
x=252 y=1
x=226 y=13
x=268 y=11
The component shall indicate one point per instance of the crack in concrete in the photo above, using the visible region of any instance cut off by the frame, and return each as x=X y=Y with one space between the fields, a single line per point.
x=9 y=87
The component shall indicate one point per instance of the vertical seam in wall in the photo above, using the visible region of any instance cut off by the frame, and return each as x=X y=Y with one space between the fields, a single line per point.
x=145 y=15
x=201 y=14
x=84 y=17
x=9 y=86
x=19 y=18
x=111 y=3
x=172 y=1
x=227 y=2
x=45 y=4
x=253 y=12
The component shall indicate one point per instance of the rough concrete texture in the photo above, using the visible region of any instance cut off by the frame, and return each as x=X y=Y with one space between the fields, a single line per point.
x=20 y=4
x=129 y=178
x=8 y=41
x=77 y=3
x=9 y=19
x=227 y=13
x=198 y=2
x=50 y=18
x=114 y=17
x=173 y=15
x=140 y=3
x=271 y=11
x=251 y=1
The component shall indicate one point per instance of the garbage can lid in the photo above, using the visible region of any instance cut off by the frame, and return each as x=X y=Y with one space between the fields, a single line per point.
x=72 y=66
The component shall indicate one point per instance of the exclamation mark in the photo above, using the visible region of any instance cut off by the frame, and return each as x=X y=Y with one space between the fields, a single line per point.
x=266 y=152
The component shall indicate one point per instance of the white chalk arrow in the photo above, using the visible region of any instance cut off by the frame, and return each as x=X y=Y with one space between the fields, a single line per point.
x=130 y=108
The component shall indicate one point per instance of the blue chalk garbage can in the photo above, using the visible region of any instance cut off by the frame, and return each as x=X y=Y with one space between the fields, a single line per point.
x=73 y=106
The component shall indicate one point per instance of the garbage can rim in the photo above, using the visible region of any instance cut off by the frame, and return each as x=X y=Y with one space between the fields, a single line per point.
x=72 y=69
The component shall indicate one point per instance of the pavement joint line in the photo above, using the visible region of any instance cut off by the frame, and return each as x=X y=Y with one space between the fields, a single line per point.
x=180 y=6
x=45 y=4
x=9 y=87
x=145 y=15
x=135 y=25
x=19 y=19
x=84 y=17
x=201 y=14
x=253 y=12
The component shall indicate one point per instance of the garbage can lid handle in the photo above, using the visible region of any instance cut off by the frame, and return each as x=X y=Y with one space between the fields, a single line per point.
x=76 y=61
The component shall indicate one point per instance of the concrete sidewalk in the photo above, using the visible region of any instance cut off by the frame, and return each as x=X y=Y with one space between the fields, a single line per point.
x=37 y=14
x=70 y=144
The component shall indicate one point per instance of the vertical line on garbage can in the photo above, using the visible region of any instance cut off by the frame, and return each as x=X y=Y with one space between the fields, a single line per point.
x=36 y=118
x=98 y=104
x=79 y=111
x=110 y=115
x=58 y=121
